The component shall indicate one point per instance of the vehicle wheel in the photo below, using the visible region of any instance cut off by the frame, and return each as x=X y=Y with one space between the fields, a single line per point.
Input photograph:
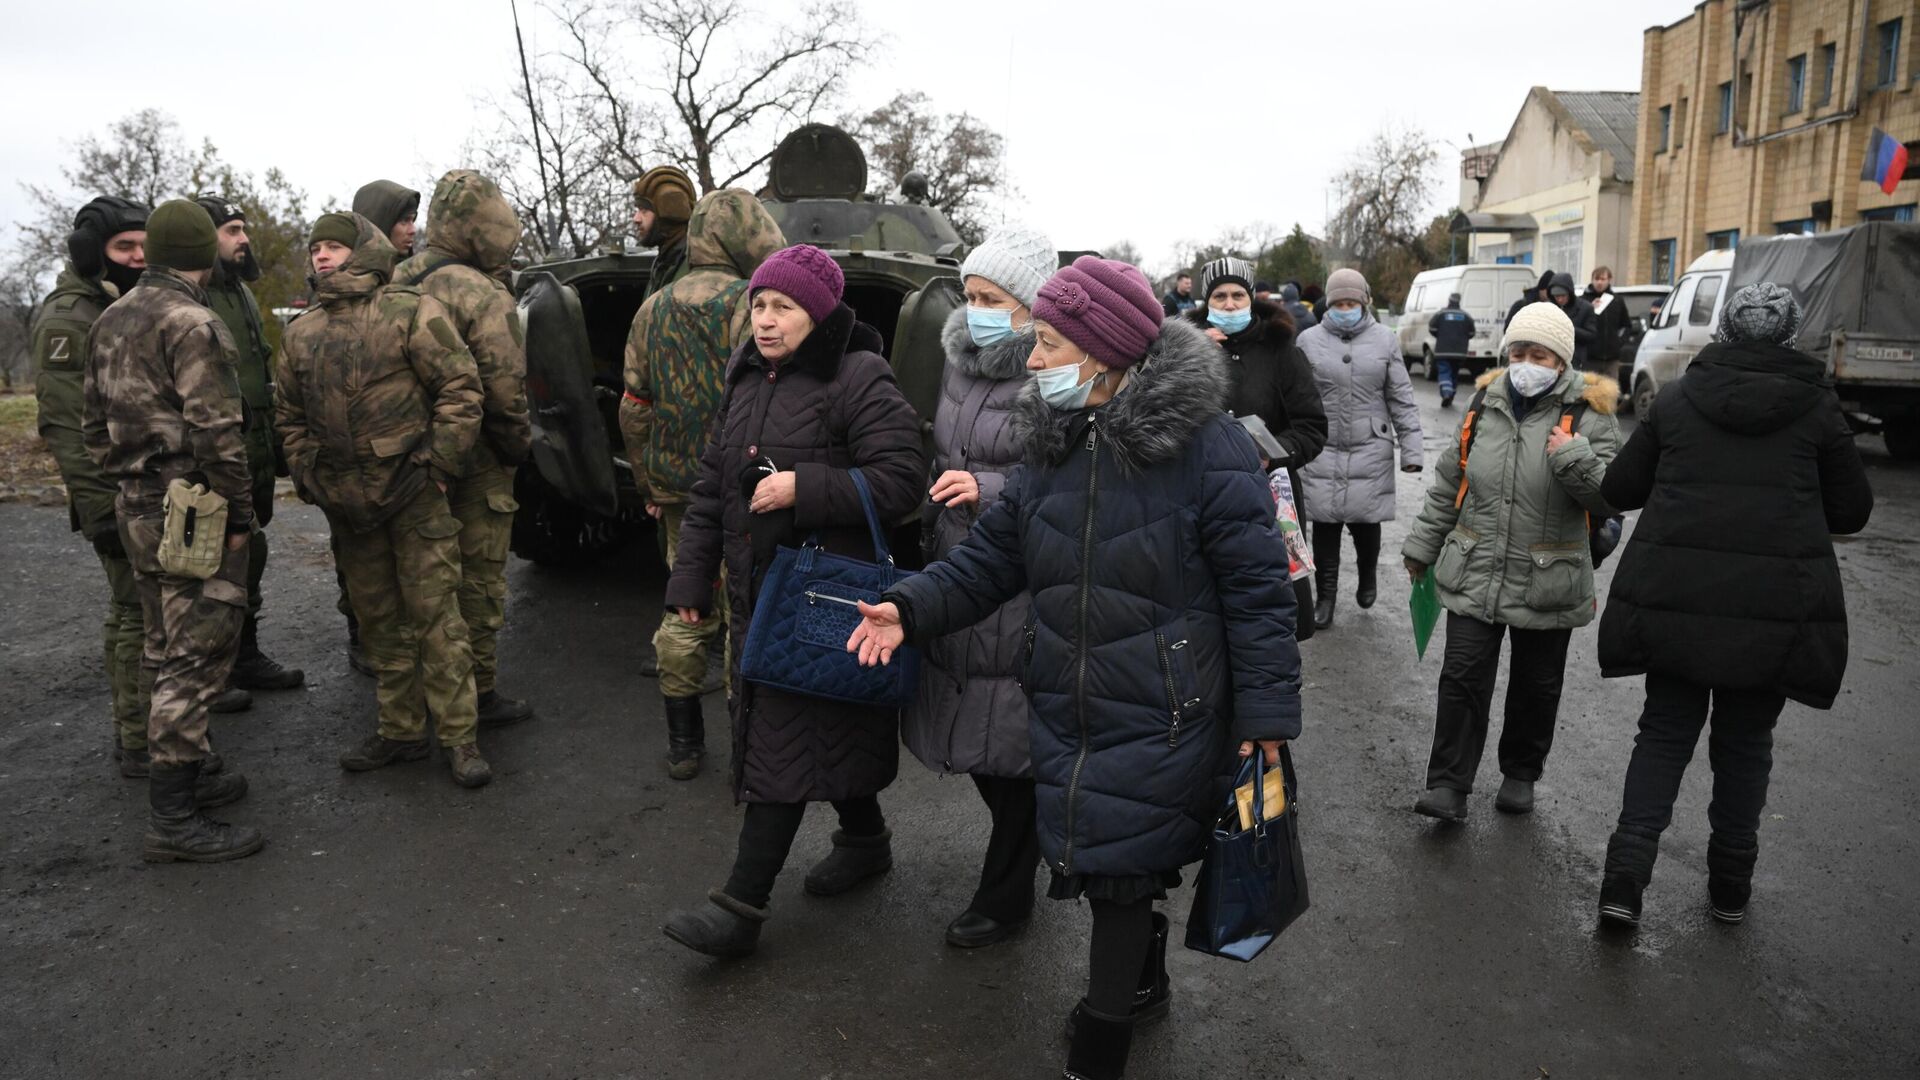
x=550 y=531
x=1426 y=361
x=1903 y=440
x=1643 y=395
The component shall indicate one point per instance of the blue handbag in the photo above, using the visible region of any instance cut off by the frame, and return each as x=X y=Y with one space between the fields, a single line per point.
x=1253 y=882
x=806 y=611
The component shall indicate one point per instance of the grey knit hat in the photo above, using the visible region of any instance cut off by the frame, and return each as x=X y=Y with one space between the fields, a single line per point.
x=1348 y=285
x=1762 y=312
x=1222 y=271
x=1017 y=259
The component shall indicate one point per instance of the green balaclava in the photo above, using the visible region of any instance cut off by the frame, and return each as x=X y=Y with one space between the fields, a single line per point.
x=338 y=227
x=180 y=236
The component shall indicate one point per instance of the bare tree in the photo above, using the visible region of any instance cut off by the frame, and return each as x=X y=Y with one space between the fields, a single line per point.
x=1125 y=251
x=19 y=290
x=1385 y=196
x=960 y=157
x=579 y=204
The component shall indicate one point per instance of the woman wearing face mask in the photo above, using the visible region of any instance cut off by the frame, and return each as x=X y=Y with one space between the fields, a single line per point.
x=970 y=716
x=809 y=396
x=1369 y=405
x=1509 y=554
x=1271 y=378
x=1161 y=641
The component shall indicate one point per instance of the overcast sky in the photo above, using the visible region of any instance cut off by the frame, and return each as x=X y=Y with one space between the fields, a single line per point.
x=1149 y=122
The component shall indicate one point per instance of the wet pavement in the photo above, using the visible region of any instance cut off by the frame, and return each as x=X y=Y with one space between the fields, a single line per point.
x=398 y=926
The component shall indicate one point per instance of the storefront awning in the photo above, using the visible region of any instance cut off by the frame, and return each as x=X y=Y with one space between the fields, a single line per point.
x=1493 y=223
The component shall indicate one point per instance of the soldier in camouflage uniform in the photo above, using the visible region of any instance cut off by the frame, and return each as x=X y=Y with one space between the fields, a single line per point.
x=393 y=208
x=106 y=259
x=163 y=404
x=231 y=299
x=471 y=234
x=378 y=402
x=662 y=203
x=676 y=361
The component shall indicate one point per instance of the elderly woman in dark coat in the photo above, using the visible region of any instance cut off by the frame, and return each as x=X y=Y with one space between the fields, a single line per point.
x=970 y=715
x=808 y=397
x=1728 y=595
x=1162 y=631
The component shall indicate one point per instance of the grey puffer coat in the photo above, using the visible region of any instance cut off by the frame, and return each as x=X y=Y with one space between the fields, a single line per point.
x=1369 y=402
x=971 y=714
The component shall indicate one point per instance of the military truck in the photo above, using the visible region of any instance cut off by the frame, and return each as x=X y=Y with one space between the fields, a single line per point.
x=901 y=258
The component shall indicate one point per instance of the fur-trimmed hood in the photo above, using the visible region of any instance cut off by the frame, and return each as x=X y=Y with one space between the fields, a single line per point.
x=1601 y=394
x=1270 y=320
x=1170 y=394
x=1001 y=360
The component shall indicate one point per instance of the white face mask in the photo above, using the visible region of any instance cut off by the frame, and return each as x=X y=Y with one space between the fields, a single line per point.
x=1531 y=380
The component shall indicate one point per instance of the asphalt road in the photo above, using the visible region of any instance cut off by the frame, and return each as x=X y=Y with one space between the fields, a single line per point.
x=397 y=926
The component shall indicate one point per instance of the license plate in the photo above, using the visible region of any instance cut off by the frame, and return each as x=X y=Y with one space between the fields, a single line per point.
x=1882 y=352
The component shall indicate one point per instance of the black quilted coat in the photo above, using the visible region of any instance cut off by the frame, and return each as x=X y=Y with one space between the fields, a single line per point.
x=832 y=405
x=1162 y=628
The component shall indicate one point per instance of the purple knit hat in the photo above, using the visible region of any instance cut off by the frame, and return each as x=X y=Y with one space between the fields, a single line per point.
x=1103 y=306
x=805 y=273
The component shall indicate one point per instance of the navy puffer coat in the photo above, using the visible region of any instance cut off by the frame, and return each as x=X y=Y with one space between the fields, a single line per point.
x=1162 y=629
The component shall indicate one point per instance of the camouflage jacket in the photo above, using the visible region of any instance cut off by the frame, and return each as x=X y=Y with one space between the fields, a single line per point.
x=59 y=335
x=375 y=395
x=677 y=351
x=163 y=399
x=471 y=235
x=233 y=301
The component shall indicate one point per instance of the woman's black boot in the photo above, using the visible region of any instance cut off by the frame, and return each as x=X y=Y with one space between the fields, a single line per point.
x=1730 y=878
x=1369 y=589
x=1099 y=1047
x=853 y=860
x=1151 y=1000
x=1327 y=580
x=725 y=927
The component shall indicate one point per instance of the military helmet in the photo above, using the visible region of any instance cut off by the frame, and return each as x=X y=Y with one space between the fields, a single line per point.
x=97 y=222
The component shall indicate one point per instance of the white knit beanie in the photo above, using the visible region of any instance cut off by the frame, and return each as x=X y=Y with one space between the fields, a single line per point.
x=1017 y=259
x=1542 y=324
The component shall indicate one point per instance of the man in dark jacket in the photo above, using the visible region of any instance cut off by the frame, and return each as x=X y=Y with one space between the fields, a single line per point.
x=1180 y=299
x=1535 y=295
x=1560 y=292
x=1728 y=591
x=1297 y=309
x=1610 y=322
x=1452 y=331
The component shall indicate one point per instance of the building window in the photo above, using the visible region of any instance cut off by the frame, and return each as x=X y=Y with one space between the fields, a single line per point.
x=1663 y=262
x=1666 y=129
x=1889 y=213
x=1827 y=60
x=1796 y=83
x=1565 y=252
x=1724 y=240
x=1798 y=227
x=1725 y=123
x=1888 y=69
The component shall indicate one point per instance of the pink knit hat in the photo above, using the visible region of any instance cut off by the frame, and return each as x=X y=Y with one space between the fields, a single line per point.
x=1103 y=306
x=805 y=273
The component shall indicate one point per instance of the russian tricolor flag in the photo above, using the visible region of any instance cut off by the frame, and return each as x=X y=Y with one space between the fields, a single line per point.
x=1886 y=161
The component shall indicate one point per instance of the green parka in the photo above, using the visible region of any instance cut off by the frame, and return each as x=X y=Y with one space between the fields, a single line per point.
x=1515 y=552
x=233 y=301
x=60 y=331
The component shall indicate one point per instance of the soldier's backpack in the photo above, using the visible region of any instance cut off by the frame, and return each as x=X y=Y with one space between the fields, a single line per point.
x=1602 y=535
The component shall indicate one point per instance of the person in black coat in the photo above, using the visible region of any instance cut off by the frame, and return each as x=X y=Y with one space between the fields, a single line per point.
x=1728 y=592
x=1535 y=295
x=1452 y=331
x=1610 y=324
x=1560 y=292
x=1271 y=379
x=1162 y=633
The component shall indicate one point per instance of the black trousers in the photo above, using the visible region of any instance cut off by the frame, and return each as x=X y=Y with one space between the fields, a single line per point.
x=1740 y=750
x=1466 y=701
x=1005 y=893
x=766 y=836
x=1326 y=545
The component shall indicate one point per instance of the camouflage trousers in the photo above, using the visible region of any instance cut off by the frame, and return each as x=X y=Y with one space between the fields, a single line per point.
x=124 y=637
x=403 y=578
x=482 y=501
x=681 y=647
x=192 y=635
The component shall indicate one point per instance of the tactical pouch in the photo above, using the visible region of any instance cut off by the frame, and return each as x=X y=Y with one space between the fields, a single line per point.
x=194 y=539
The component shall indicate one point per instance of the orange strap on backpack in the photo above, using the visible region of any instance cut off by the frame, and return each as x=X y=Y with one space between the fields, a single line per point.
x=1466 y=441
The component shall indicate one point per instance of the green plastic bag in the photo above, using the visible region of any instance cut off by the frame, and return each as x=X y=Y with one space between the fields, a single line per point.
x=1425 y=605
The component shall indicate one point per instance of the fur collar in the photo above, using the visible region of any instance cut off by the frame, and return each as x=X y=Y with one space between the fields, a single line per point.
x=1601 y=394
x=1001 y=360
x=1180 y=385
x=837 y=335
x=1270 y=322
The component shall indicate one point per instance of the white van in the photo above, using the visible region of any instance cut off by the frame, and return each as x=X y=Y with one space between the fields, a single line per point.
x=1684 y=326
x=1486 y=292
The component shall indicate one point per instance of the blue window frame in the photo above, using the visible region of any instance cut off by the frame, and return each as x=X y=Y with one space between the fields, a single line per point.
x=1887 y=71
x=1725 y=123
x=1796 y=83
x=1889 y=213
x=1724 y=240
x=1663 y=251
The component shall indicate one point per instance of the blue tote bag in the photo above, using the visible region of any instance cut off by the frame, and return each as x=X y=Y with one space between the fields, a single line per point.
x=1253 y=882
x=806 y=611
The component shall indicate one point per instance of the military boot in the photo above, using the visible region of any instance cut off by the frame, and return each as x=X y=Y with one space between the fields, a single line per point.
x=686 y=737
x=255 y=670
x=853 y=860
x=178 y=831
x=133 y=763
x=378 y=752
x=725 y=927
x=1326 y=579
x=218 y=789
x=498 y=710
x=231 y=700
x=469 y=769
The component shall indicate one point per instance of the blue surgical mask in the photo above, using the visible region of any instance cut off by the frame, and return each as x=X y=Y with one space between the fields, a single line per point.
x=1346 y=318
x=1230 y=321
x=1061 y=387
x=988 y=325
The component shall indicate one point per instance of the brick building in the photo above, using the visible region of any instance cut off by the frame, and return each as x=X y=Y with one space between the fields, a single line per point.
x=1754 y=120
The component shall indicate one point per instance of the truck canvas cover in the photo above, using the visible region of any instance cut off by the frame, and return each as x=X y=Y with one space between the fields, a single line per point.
x=1862 y=280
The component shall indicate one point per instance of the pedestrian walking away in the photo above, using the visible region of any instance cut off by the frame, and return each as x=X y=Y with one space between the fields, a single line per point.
x=471 y=234
x=1368 y=400
x=1162 y=631
x=1728 y=596
x=1270 y=378
x=1297 y=309
x=675 y=368
x=970 y=716
x=164 y=417
x=1504 y=530
x=807 y=398
x=1452 y=331
x=379 y=403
